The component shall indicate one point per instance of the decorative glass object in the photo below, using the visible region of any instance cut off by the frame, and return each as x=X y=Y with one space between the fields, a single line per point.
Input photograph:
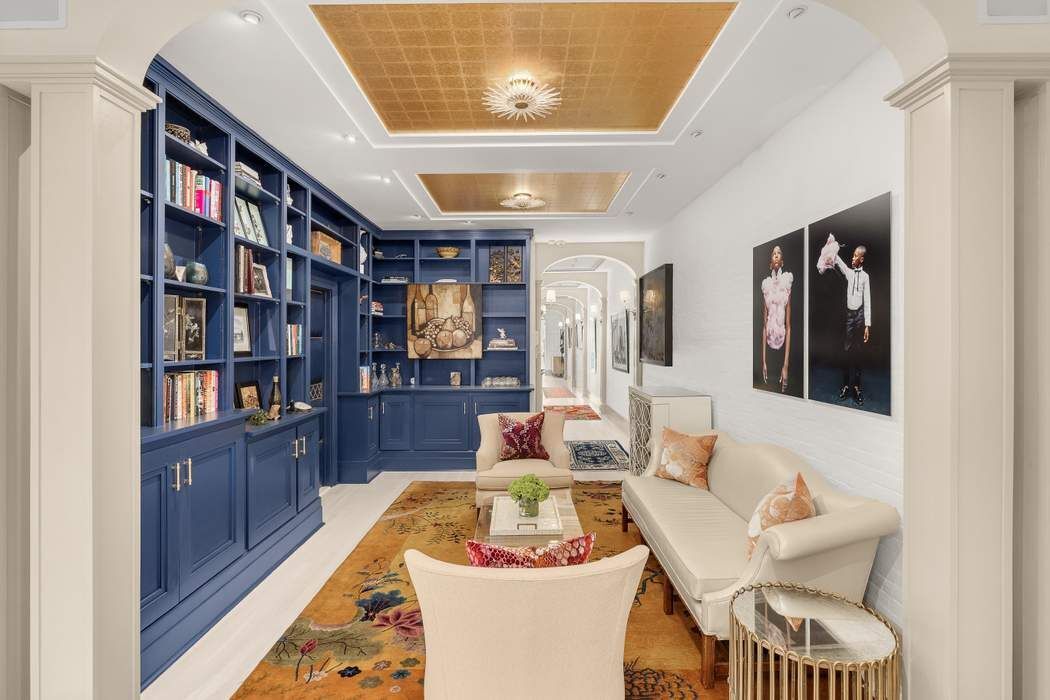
x=395 y=375
x=384 y=381
x=274 y=411
x=529 y=509
x=169 y=262
x=196 y=273
x=374 y=379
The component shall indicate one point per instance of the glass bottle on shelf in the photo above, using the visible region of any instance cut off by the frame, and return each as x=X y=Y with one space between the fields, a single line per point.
x=376 y=342
x=375 y=377
x=274 y=411
x=395 y=375
x=384 y=381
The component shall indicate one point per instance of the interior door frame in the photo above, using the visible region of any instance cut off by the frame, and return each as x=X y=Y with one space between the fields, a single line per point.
x=330 y=289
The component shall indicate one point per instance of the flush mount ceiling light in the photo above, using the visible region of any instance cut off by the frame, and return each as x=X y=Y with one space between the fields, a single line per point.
x=251 y=17
x=521 y=98
x=523 y=200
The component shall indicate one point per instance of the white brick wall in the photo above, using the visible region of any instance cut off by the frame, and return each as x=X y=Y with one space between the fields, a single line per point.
x=846 y=147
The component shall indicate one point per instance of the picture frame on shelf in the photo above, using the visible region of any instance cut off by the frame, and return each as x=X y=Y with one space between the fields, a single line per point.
x=248 y=395
x=261 y=237
x=241 y=220
x=194 y=322
x=171 y=327
x=261 y=281
x=242 y=331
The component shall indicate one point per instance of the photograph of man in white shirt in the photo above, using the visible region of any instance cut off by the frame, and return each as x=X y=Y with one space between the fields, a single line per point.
x=858 y=324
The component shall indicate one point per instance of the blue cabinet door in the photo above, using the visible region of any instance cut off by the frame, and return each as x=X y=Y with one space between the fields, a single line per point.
x=272 y=472
x=309 y=467
x=211 y=508
x=493 y=402
x=440 y=421
x=395 y=422
x=159 y=561
x=373 y=425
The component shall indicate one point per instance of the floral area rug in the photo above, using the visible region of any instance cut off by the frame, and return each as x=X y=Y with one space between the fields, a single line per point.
x=575 y=412
x=597 y=454
x=361 y=636
x=558 y=392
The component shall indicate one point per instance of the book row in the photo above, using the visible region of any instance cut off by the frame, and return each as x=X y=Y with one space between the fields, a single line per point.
x=251 y=277
x=190 y=394
x=293 y=339
x=190 y=189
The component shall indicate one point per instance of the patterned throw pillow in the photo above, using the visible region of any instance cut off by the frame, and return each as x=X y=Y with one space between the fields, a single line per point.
x=786 y=503
x=521 y=439
x=684 y=457
x=565 y=553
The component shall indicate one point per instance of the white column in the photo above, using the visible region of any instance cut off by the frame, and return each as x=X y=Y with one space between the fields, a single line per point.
x=959 y=378
x=80 y=384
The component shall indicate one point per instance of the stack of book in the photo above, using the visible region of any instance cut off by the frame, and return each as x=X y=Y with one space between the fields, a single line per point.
x=250 y=277
x=192 y=190
x=246 y=172
x=293 y=339
x=190 y=394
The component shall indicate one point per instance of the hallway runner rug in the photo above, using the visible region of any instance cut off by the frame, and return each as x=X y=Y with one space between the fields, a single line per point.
x=558 y=392
x=597 y=454
x=361 y=636
x=575 y=412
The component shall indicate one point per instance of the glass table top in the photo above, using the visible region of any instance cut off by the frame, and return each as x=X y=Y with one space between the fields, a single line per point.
x=814 y=625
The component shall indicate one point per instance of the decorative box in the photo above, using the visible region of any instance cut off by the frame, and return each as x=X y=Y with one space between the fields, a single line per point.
x=327 y=247
x=506 y=522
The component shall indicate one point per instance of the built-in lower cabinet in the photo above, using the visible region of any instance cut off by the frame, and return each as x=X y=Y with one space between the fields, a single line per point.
x=395 y=422
x=276 y=463
x=494 y=402
x=309 y=462
x=440 y=421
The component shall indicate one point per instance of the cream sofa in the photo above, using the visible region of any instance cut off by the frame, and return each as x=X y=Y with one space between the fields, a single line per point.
x=699 y=536
x=494 y=476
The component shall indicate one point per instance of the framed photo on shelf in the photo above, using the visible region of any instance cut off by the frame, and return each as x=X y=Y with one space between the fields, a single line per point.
x=193 y=323
x=242 y=331
x=248 y=395
x=241 y=221
x=257 y=224
x=171 y=327
x=260 y=281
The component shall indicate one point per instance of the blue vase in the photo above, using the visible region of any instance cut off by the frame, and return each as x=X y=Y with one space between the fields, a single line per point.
x=196 y=273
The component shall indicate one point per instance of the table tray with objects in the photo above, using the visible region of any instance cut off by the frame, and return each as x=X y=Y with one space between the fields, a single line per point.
x=566 y=511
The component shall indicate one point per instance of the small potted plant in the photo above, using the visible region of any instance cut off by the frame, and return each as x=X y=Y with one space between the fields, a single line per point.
x=528 y=491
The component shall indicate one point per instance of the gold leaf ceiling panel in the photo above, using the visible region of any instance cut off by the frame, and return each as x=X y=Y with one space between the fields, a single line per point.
x=618 y=66
x=563 y=192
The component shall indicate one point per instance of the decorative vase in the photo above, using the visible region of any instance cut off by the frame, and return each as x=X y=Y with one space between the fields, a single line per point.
x=196 y=273
x=529 y=509
x=169 y=262
x=395 y=375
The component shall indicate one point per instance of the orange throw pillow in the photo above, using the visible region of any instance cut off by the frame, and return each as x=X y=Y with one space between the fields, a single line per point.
x=786 y=503
x=684 y=457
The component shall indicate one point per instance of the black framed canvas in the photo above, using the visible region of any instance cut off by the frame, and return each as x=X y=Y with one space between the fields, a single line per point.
x=248 y=395
x=655 y=316
x=778 y=314
x=849 y=307
x=242 y=331
x=621 y=342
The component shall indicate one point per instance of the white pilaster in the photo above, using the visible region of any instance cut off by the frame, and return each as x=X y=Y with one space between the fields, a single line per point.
x=81 y=343
x=959 y=375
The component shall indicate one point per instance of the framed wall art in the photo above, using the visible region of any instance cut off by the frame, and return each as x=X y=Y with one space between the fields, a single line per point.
x=656 y=315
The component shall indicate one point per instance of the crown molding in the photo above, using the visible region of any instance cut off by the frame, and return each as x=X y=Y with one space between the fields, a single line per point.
x=76 y=70
x=970 y=67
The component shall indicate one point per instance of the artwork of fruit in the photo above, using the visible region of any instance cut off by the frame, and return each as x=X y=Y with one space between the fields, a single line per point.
x=444 y=321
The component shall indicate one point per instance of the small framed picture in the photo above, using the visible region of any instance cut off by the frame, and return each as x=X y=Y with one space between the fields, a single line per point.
x=242 y=331
x=255 y=215
x=248 y=395
x=171 y=327
x=261 y=281
x=194 y=321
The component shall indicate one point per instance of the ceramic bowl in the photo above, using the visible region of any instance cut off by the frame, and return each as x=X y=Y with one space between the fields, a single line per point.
x=448 y=251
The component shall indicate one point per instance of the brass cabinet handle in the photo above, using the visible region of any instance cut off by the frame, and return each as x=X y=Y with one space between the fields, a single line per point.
x=178 y=477
x=189 y=471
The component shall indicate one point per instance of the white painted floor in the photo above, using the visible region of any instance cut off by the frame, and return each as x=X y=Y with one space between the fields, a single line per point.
x=218 y=663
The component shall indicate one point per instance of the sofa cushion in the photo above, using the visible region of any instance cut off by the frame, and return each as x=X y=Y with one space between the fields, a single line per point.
x=684 y=457
x=692 y=531
x=521 y=438
x=498 y=478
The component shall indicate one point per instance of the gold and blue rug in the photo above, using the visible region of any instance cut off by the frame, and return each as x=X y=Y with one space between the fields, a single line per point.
x=597 y=454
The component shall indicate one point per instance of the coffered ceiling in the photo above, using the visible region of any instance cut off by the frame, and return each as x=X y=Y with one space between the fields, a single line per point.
x=562 y=192
x=617 y=66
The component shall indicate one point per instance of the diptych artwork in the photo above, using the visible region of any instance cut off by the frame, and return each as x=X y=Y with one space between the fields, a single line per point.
x=444 y=321
x=778 y=314
x=849 y=307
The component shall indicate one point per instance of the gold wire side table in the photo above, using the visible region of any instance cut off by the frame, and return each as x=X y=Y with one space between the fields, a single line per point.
x=789 y=642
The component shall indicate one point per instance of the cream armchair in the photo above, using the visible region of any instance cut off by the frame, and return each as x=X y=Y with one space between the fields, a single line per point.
x=494 y=476
x=525 y=633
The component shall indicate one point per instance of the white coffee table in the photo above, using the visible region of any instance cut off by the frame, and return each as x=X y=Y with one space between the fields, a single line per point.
x=566 y=511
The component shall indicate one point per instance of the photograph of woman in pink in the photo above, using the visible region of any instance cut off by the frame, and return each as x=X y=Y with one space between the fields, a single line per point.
x=779 y=347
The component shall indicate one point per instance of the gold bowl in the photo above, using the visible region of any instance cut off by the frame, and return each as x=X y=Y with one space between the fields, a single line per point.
x=448 y=251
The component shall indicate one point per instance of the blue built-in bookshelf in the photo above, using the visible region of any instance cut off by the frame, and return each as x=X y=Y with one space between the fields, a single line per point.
x=223 y=501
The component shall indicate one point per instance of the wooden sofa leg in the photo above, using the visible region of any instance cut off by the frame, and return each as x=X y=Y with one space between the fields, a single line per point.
x=707 y=660
x=624 y=517
x=668 y=596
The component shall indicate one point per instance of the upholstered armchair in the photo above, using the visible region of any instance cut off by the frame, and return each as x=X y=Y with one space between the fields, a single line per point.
x=520 y=634
x=494 y=476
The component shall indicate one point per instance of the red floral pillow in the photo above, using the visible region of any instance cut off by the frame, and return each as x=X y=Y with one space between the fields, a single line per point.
x=564 y=553
x=521 y=439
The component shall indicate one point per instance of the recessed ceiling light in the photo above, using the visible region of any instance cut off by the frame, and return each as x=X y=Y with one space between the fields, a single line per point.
x=251 y=17
x=797 y=11
x=349 y=138
x=629 y=213
x=661 y=176
x=469 y=223
x=417 y=217
x=386 y=180
x=696 y=133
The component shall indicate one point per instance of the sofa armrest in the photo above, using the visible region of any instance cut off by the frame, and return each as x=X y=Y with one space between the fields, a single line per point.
x=560 y=456
x=802 y=538
x=488 y=451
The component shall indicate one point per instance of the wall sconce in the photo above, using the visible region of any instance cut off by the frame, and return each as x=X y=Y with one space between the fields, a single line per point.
x=552 y=296
x=625 y=297
x=579 y=318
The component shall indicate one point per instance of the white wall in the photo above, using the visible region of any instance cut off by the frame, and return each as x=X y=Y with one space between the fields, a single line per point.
x=844 y=149
x=616 y=382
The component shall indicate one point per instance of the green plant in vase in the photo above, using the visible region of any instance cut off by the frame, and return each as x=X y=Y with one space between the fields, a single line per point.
x=528 y=491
